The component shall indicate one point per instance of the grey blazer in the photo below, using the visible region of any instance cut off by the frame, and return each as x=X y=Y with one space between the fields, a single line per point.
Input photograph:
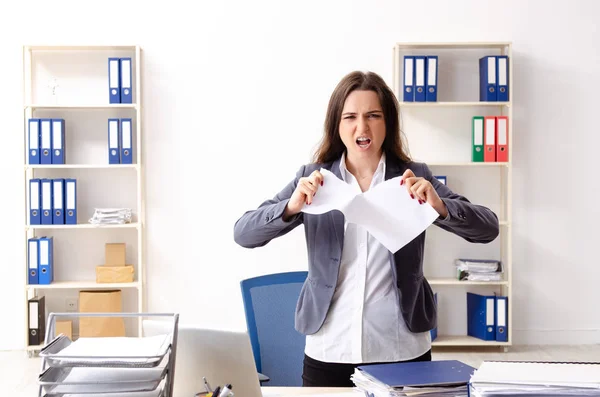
x=325 y=236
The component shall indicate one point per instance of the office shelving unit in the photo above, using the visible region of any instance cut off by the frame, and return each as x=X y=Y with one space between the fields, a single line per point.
x=81 y=74
x=458 y=96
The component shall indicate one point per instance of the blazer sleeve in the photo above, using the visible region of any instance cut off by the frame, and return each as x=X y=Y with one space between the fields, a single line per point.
x=474 y=223
x=255 y=228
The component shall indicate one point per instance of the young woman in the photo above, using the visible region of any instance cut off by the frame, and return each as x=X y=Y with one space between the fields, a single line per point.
x=362 y=303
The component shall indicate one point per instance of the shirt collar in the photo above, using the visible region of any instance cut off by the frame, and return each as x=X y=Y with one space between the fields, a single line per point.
x=380 y=166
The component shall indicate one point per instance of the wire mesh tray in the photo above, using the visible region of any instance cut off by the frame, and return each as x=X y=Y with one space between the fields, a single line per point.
x=124 y=352
x=101 y=380
x=160 y=391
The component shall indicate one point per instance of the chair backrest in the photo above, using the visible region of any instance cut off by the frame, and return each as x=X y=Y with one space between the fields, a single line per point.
x=270 y=304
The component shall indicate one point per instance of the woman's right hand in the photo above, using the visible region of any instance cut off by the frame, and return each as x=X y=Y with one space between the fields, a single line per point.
x=304 y=193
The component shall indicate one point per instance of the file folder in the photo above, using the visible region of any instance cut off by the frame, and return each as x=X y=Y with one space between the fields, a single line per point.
x=35 y=189
x=33 y=261
x=46 y=202
x=126 y=150
x=46 y=272
x=113 y=142
x=409 y=78
x=126 y=92
x=37 y=320
x=477 y=139
x=502 y=318
x=489 y=131
x=420 y=77
x=502 y=138
x=70 y=201
x=431 y=81
x=487 y=79
x=481 y=317
x=502 y=69
x=114 y=80
x=46 y=141
x=58 y=190
x=34 y=141
x=420 y=373
x=58 y=141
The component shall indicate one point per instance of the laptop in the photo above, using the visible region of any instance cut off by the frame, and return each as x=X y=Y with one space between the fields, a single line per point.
x=220 y=356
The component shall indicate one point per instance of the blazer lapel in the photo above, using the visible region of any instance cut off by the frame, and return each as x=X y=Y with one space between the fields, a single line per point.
x=337 y=217
x=393 y=168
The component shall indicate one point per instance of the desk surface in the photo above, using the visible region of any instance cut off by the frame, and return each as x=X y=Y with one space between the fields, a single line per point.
x=304 y=391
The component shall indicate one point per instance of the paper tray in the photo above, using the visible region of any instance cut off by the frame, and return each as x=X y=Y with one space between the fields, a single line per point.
x=159 y=392
x=123 y=352
x=101 y=380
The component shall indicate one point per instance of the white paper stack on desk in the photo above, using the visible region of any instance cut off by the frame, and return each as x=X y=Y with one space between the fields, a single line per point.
x=499 y=378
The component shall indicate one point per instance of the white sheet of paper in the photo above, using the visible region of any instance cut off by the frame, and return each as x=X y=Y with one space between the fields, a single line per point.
x=387 y=211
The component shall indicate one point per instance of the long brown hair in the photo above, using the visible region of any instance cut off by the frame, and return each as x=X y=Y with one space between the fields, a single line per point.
x=394 y=144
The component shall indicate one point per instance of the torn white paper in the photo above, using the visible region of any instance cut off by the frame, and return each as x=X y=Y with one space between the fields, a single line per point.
x=387 y=211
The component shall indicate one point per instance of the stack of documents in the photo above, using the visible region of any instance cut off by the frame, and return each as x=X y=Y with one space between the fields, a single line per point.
x=111 y=216
x=536 y=379
x=478 y=270
x=427 y=378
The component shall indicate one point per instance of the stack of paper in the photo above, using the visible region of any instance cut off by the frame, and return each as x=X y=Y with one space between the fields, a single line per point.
x=478 y=269
x=110 y=216
x=446 y=378
x=536 y=379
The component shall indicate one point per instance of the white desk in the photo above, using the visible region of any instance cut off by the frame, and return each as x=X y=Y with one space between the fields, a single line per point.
x=304 y=391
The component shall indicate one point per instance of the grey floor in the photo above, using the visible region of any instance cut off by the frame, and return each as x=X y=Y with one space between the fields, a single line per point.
x=18 y=372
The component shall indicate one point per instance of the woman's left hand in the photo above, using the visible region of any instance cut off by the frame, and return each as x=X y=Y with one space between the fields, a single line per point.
x=421 y=189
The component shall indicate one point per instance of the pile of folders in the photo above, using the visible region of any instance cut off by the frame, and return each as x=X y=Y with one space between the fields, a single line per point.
x=52 y=201
x=490 y=139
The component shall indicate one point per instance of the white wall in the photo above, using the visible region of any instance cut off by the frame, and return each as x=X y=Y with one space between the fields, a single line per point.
x=234 y=97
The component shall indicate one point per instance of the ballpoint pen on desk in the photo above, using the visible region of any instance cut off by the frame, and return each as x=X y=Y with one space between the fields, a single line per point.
x=208 y=388
x=226 y=392
x=217 y=391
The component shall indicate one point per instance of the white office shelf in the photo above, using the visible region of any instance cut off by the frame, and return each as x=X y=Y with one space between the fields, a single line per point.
x=63 y=48
x=452 y=104
x=460 y=53
x=467 y=164
x=452 y=45
x=76 y=106
x=465 y=340
x=453 y=281
x=78 y=93
x=81 y=166
x=87 y=285
x=85 y=226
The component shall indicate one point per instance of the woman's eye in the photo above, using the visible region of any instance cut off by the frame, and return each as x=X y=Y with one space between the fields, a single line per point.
x=348 y=117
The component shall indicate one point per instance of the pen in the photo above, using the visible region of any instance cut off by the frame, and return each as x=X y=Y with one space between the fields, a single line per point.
x=216 y=392
x=226 y=392
x=206 y=384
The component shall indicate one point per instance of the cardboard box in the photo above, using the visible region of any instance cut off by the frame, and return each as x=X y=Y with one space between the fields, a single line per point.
x=64 y=327
x=109 y=301
x=114 y=254
x=114 y=274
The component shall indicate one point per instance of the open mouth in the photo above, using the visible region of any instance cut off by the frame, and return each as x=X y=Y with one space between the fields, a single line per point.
x=363 y=142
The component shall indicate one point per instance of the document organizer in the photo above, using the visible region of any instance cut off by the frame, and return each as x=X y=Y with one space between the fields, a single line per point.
x=119 y=366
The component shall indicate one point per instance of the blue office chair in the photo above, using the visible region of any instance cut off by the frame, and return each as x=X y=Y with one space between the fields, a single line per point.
x=270 y=304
